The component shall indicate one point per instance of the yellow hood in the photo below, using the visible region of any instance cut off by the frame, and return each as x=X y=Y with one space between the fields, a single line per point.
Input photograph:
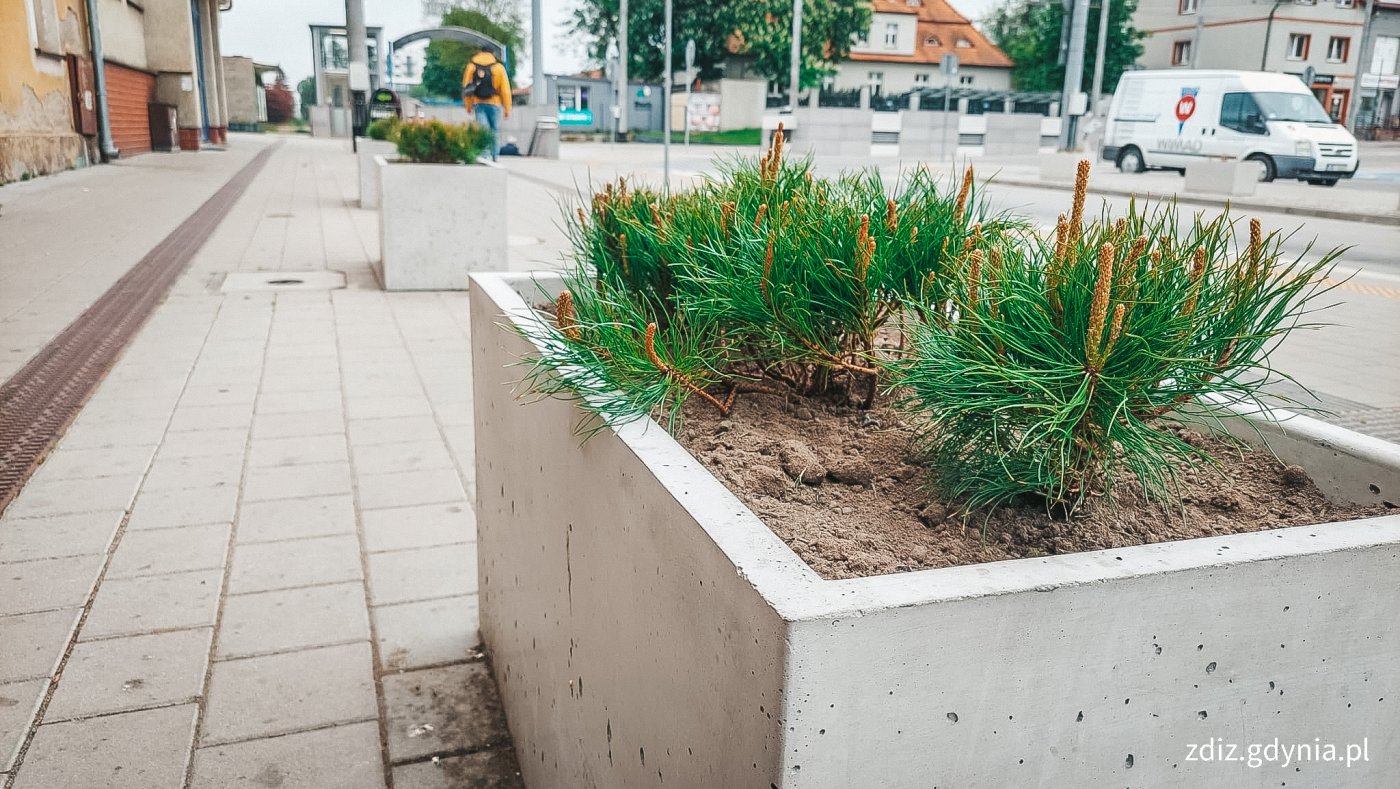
x=484 y=58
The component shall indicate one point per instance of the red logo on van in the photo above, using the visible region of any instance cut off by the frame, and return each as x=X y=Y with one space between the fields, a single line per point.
x=1185 y=107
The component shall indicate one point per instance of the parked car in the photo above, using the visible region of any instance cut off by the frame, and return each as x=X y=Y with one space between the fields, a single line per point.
x=1164 y=120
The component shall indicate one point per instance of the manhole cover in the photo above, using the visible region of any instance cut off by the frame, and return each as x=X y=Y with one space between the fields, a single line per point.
x=282 y=280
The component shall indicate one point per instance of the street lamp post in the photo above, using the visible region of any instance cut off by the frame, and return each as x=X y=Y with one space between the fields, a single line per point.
x=359 y=65
x=1074 y=72
x=666 y=107
x=795 y=75
x=538 y=92
x=624 y=105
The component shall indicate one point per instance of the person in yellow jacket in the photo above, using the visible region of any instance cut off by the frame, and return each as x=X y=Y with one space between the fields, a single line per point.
x=486 y=92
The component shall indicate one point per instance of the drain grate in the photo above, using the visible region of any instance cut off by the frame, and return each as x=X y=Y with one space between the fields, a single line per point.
x=39 y=402
x=239 y=281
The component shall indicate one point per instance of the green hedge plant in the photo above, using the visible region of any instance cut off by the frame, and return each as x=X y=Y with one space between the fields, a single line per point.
x=384 y=129
x=1070 y=358
x=435 y=142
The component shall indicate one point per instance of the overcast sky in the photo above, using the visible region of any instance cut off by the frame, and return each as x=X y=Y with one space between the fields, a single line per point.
x=276 y=32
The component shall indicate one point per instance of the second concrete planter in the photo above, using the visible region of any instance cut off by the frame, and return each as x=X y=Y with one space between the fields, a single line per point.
x=440 y=222
x=365 y=151
x=647 y=629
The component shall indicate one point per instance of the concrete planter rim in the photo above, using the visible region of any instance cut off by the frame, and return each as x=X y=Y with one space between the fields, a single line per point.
x=796 y=592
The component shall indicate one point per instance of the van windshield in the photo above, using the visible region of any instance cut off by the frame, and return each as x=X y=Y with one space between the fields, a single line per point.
x=1301 y=107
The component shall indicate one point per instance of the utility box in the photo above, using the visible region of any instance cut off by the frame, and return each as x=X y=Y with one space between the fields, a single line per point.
x=164 y=134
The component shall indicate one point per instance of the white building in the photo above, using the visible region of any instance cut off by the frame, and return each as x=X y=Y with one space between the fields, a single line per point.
x=1286 y=36
x=907 y=41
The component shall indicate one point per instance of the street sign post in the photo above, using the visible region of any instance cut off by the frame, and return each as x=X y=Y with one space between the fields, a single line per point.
x=689 y=84
x=949 y=66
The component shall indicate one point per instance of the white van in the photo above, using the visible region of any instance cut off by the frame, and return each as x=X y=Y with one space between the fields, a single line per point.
x=1167 y=119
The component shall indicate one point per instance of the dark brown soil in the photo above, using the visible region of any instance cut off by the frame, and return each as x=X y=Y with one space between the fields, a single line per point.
x=838 y=486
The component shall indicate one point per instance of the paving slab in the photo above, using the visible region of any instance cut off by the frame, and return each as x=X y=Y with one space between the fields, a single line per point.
x=67 y=463
x=68 y=496
x=422 y=573
x=402 y=456
x=293 y=691
x=389 y=431
x=422 y=526
x=22 y=539
x=268 y=452
x=294 y=425
x=340 y=757
x=265 y=566
x=287 y=619
x=149 y=749
x=443 y=710
x=174 y=550
x=166 y=508
x=128 y=606
x=312 y=479
x=120 y=674
x=287 y=519
x=210 y=471
x=493 y=769
x=408 y=488
x=45 y=584
x=19 y=701
x=427 y=632
x=201 y=443
x=31 y=644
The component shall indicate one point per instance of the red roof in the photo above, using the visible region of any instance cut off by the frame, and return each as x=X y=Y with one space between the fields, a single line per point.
x=939 y=30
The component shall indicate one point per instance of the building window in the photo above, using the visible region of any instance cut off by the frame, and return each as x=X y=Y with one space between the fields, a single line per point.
x=1346 y=3
x=1337 y=49
x=932 y=41
x=876 y=80
x=1181 y=53
x=44 y=33
x=963 y=43
x=1307 y=2
x=1385 y=54
x=921 y=78
x=1187 y=6
x=965 y=80
x=891 y=35
x=915 y=3
x=573 y=97
x=1298 y=44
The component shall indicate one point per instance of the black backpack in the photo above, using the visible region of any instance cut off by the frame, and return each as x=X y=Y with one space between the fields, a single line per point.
x=480 y=85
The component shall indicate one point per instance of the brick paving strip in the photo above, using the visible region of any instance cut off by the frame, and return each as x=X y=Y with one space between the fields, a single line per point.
x=40 y=400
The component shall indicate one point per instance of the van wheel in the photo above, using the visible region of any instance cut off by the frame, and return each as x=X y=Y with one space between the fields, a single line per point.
x=1130 y=160
x=1323 y=181
x=1267 y=171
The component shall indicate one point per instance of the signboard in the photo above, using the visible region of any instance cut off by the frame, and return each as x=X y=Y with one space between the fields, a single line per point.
x=571 y=117
x=1185 y=107
x=702 y=112
x=384 y=103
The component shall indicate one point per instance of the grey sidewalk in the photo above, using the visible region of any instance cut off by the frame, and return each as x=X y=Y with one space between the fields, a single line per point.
x=251 y=562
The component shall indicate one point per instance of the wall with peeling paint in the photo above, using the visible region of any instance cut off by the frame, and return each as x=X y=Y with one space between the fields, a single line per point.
x=36 y=115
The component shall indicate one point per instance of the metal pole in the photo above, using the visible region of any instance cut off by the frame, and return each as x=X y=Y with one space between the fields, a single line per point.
x=795 y=71
x=1268 y=32
x=1100 y=52
x=666 y=107
x=625 y=103
x=539 y=92
x=359 y=63
x=104 y=121
x=689 y=85
x=1361 y=68
x=948 y=116
x=1074 y=71
x=1200 y=26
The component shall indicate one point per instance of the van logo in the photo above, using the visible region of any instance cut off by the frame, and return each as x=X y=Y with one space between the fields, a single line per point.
x=1185 y=107
x=1178 y=145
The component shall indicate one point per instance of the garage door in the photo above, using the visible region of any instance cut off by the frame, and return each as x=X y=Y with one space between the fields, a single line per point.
x=128 y=93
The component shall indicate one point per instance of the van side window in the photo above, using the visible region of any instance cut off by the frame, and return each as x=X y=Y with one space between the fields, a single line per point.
x=1239 y=111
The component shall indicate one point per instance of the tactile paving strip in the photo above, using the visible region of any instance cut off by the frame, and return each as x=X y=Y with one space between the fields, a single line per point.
x=43 y=398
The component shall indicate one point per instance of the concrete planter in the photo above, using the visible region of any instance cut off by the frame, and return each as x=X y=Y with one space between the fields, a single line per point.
x=1222 y=176
x=645 y=626
x=365 y=151
x=438 y=223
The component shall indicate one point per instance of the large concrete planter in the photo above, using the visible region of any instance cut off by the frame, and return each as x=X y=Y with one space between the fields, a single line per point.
x=439 y=222
x=365 y=151
x=647 y=630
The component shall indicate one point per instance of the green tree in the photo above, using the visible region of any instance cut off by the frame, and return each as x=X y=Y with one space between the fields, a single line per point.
x=1028 y=31
x=446 y=60
x=757 y=29
x=306 y=89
